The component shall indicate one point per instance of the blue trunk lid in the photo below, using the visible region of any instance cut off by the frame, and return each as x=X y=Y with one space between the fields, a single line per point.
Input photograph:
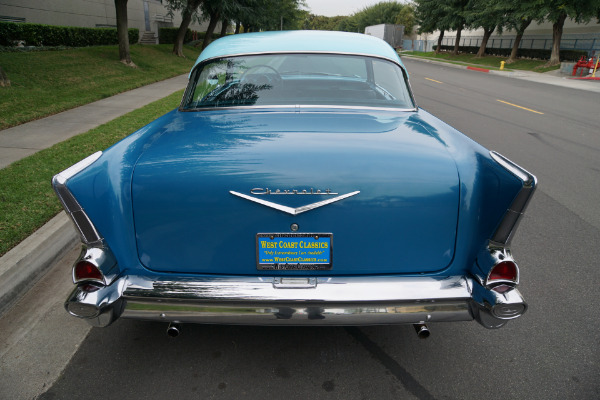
x=404 y=220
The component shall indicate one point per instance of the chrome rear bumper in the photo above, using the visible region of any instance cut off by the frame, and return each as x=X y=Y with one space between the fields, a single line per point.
x=297 y=301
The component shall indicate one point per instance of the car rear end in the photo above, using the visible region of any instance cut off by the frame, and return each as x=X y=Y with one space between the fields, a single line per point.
x=247 y=207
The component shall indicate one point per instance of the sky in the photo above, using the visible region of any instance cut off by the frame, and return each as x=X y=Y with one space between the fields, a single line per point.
x=331 y=8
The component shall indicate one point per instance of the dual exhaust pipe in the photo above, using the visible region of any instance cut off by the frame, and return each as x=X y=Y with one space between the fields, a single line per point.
x=422 y=330
x=173 y=330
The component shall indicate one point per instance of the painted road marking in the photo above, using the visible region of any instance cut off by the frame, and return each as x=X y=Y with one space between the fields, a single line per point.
x=433 y=80
x=514 y=105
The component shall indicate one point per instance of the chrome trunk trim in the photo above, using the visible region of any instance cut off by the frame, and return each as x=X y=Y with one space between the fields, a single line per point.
x=298 y=210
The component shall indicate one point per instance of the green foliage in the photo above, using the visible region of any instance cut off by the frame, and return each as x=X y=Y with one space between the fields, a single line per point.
x=430 y=16
x=536 y=54
x=271 y=15
x=50 y=35
x=386 y=12
x=484 y=14
x=322 y=23
x=168 y=35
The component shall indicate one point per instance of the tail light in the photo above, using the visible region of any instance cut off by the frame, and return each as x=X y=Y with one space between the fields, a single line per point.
x=85 y=271
x=504 y=272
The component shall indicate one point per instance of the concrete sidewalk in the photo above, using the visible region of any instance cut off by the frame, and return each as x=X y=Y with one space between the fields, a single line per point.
x=23 y=140
x=549 y=78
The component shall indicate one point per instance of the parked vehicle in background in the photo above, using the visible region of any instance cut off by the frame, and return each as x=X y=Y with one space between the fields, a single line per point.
x=390 y=33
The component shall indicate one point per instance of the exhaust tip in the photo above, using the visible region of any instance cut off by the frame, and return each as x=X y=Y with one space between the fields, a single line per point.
x=422 y=331
x=173 y=330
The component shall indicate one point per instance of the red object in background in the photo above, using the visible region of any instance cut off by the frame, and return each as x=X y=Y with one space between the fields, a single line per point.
x=583 y=63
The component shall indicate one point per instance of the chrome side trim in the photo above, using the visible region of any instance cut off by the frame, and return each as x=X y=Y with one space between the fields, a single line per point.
x=74 y=169
x=510 y=222
x=298 y=210
x=85 y=227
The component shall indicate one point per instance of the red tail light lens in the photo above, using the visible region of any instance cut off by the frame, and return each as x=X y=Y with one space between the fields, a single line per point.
x=85 y=271
x=504 y=271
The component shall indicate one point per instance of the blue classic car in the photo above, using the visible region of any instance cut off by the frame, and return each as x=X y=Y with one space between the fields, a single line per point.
x=298 y=183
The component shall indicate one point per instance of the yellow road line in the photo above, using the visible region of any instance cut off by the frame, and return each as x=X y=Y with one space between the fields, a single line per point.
x=514 y=105
x=433 y=80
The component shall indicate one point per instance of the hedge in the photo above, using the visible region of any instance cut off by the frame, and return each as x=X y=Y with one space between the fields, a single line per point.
x=168 y=35
x=538 y=54
x=51 y=35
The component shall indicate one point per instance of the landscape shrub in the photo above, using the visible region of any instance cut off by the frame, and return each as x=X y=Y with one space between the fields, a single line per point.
x=536 y=54
x=50 y=35
x=168 y=35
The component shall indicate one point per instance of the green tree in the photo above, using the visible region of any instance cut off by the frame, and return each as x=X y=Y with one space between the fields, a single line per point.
x=274 y=15
x=518 y=15
x=189 y=11
x=557 y=11
x=485 y=14
x=430 y=17
x=406 y=17
x=386 y=12
x=122 y=33
x=454 y=15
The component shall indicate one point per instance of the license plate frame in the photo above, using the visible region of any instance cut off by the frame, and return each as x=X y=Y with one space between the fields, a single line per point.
x=294 y=251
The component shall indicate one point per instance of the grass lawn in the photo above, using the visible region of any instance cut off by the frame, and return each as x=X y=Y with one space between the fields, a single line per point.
x=27 y=200
x=490 y=62
x=48 y=82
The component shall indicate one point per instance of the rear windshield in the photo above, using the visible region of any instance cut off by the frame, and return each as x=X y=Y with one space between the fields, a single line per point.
x=303 y=79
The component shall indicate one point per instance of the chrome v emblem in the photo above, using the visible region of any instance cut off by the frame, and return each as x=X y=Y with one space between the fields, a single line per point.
x=294 y=211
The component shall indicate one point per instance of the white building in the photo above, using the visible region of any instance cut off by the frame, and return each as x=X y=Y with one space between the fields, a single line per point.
x=536 y=36
x=146 y=15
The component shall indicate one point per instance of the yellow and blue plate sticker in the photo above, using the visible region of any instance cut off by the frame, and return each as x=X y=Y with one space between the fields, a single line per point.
x=294 y=251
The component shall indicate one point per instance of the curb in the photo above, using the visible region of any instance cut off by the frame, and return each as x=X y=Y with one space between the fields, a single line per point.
x=26 y=263
x=578 y=84
x=478 y=69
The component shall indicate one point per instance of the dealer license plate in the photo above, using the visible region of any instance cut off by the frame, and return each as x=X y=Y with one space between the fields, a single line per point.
x=293 y=251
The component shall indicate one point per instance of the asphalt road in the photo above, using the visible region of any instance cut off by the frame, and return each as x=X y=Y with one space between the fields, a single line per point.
x=552 y=352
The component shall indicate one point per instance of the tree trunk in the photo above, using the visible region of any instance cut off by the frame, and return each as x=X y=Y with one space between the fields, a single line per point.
x=439 y=45
x=238 y=25
x=487 y=32
x=4 y=81
x=457 y=41
x=557 y=30
x=224 y=26
x=188 y=13
x=122 y=34
x=210 y=30
x=515 y=48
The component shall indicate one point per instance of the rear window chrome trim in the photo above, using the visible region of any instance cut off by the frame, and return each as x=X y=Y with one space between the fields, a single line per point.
x=296 y=107
x=266 y=53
